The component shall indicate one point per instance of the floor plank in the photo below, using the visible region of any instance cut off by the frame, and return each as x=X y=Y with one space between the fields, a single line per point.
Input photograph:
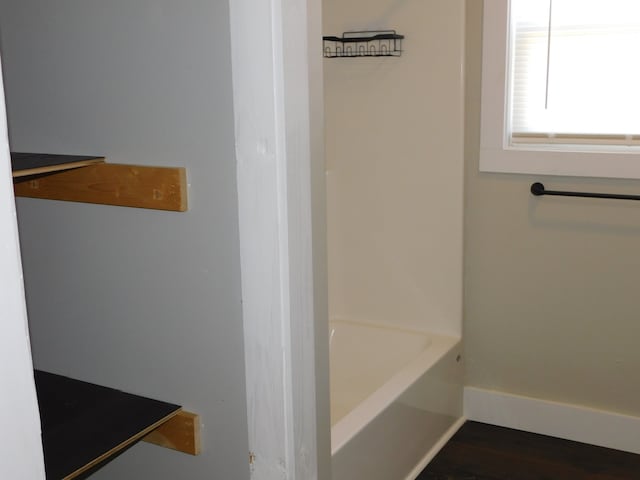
x=486 y=452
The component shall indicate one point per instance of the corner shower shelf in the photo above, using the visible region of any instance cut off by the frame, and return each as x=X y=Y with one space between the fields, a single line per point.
x=89 y=179
x=379 y=43
x=84 y=424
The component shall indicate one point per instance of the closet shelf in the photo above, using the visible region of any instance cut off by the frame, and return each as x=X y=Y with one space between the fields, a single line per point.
x=84 y=424
x=25 y=164
x=91 y=180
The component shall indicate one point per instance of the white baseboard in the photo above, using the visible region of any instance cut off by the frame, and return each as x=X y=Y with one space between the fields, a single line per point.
x=571 y=422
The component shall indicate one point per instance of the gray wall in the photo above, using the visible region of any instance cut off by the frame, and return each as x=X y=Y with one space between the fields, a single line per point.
x=140 y=300
x=551 y=293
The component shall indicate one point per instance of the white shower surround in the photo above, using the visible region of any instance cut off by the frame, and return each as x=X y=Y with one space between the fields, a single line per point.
x=395 y=159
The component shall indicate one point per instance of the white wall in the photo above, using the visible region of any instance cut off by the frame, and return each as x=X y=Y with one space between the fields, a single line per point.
x=20 y=447
x=551 y=284
x=140 y=300
x=394 y=129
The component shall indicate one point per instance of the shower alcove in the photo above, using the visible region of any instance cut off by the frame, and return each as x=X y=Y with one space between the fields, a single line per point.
x=394 y=165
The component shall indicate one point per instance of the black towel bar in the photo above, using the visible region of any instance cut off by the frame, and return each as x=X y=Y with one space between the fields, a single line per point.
x=538 y=189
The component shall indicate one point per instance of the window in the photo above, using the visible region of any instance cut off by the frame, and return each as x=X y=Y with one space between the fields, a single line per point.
x=560 y=87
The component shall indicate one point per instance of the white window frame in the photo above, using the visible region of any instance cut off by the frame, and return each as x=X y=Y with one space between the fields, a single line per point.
x=496 y=155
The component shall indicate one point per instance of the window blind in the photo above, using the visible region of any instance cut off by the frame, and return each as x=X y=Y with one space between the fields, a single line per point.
x=574 y=75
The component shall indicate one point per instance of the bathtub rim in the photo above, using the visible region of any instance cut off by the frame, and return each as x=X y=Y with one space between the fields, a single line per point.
x=357 y=419
x=387 y=326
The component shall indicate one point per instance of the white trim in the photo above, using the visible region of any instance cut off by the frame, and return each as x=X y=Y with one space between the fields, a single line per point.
x=273 y=152
x=571 y=422
x=21 y=455
x=436 y=448
x=495 y=153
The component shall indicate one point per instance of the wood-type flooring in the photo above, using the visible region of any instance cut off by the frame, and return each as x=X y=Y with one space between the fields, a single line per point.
x=485 y=452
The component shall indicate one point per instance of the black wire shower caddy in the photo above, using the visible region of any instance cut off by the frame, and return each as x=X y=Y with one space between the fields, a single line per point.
x=372 y=43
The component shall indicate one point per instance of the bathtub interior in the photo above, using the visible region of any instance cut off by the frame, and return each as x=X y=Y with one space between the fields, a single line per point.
x=396 y=396
x=363 y=357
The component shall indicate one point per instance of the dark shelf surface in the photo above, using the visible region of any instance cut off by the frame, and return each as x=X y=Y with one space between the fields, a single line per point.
x=84 y=424
x=24 y=164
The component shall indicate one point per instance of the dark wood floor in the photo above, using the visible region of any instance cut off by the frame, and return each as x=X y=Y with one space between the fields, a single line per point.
x=485 y=452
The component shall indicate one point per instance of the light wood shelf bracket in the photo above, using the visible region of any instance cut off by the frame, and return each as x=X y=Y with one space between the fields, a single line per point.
x=158 y=188
x=181 y=432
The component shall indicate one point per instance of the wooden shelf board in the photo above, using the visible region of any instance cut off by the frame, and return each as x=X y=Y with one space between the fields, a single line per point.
x=159 y=188
x=84 y=424
x=27 y=164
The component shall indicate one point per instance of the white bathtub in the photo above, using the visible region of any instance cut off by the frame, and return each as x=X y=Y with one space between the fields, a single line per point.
x=396 y=398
